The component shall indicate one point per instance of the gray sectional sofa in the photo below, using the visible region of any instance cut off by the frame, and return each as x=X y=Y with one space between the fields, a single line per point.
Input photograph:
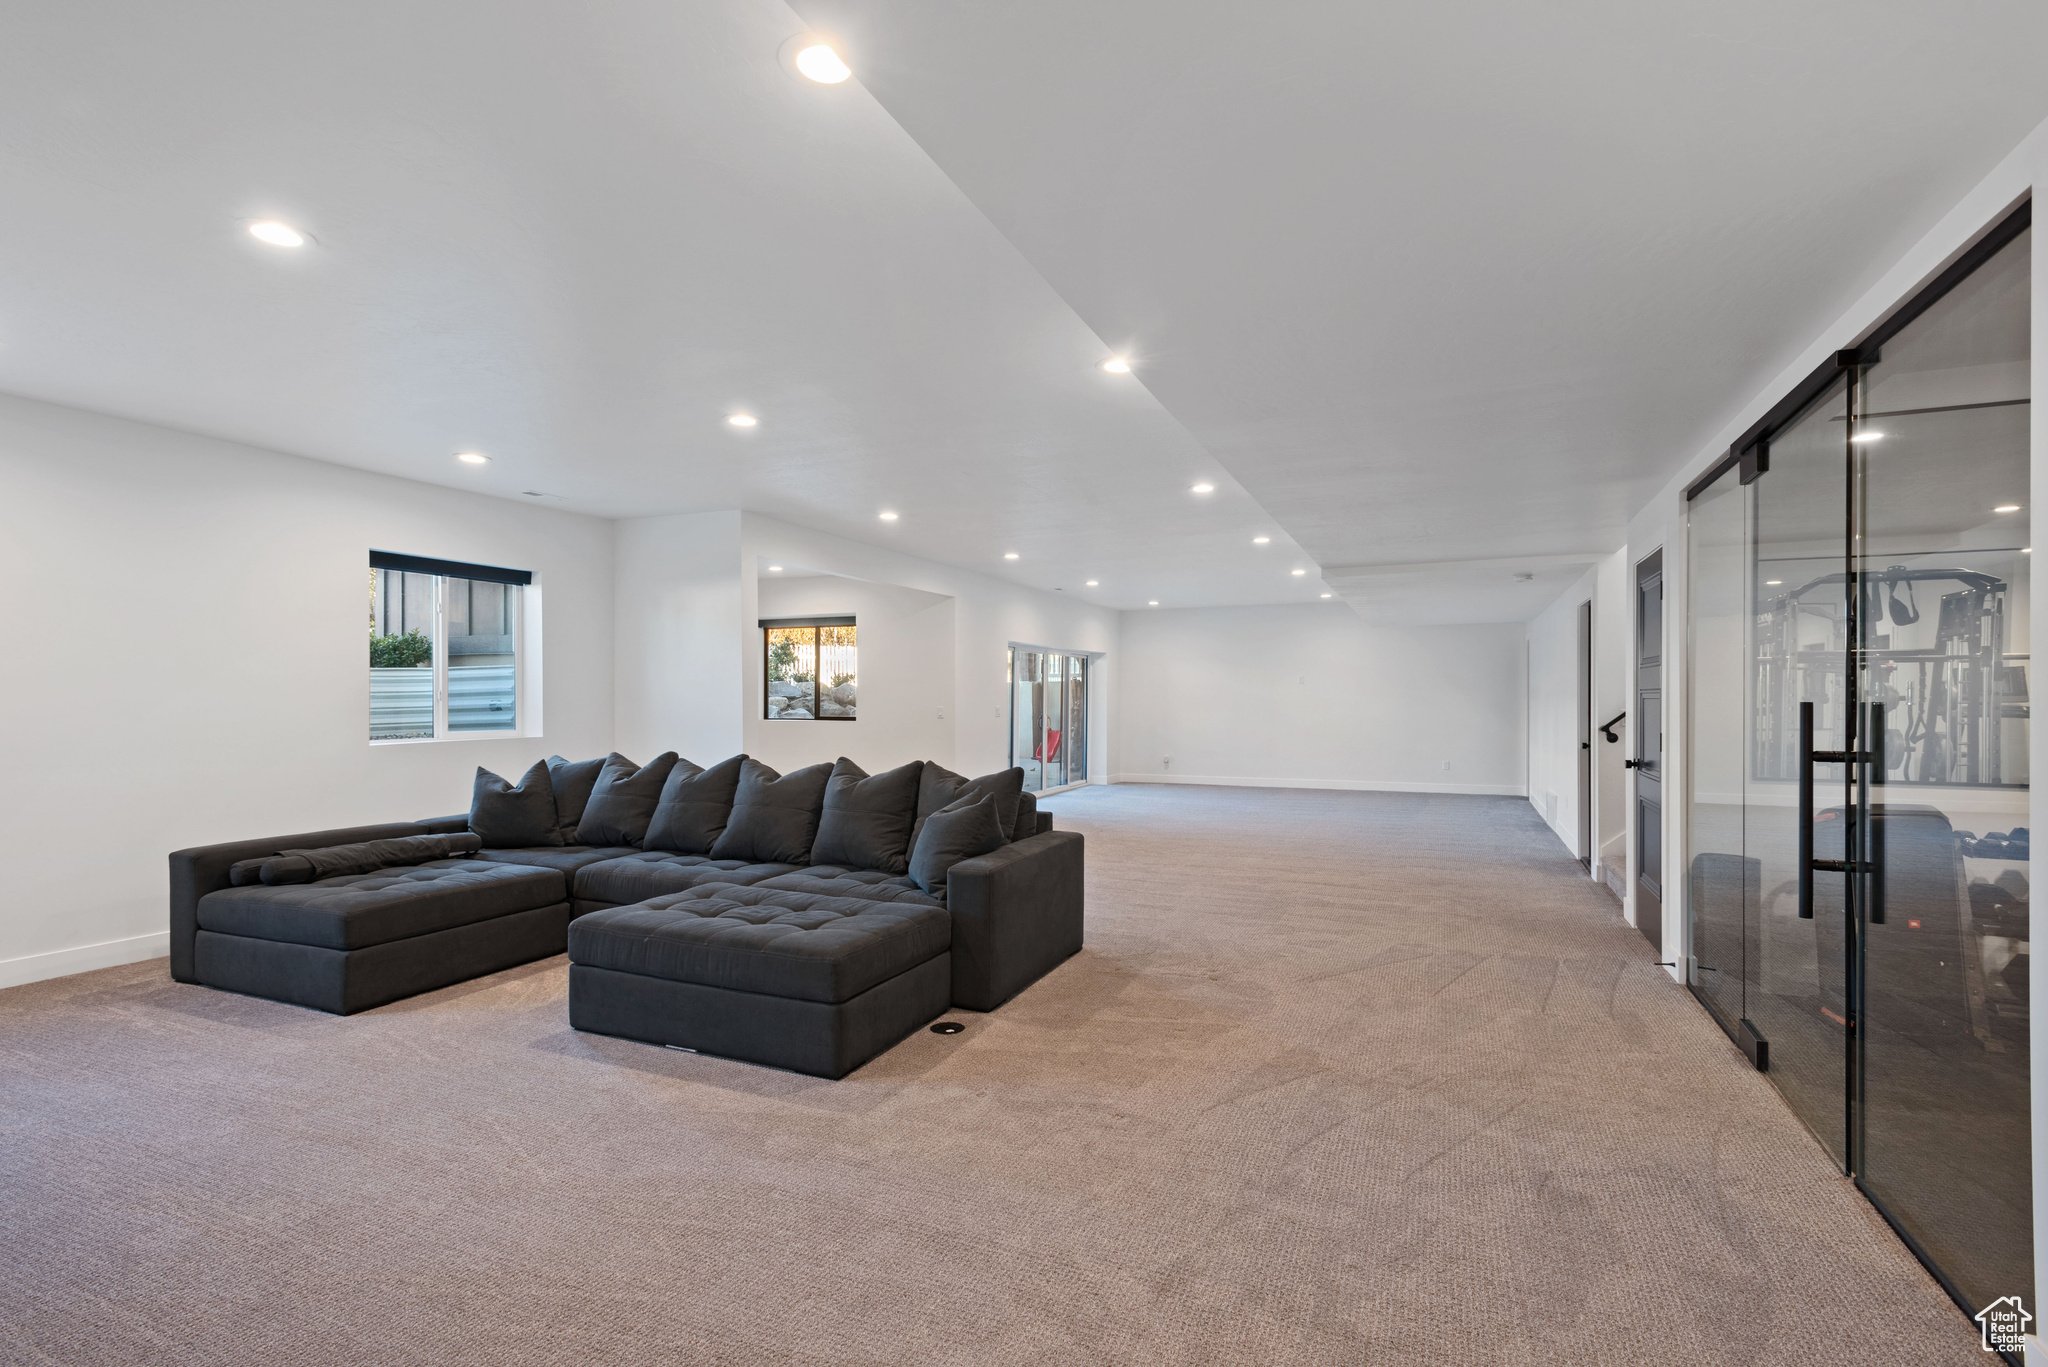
x=945 y=892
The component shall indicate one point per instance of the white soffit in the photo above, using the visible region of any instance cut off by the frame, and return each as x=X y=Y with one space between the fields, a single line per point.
x=576 y=238
x=1451 y=280
x=1493 y=589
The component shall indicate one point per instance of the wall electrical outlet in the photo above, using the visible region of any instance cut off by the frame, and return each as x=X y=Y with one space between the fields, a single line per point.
x=1447 y=764
x=942 y=714
x=1166 y=761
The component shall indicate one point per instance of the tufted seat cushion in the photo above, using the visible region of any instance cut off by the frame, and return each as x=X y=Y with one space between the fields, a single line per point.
x=351 y=911
x=640 y=874
x=777 y=943
x=567 y=858
x=825 y=880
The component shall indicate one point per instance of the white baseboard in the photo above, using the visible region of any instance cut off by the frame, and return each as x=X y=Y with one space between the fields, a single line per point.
x=58 y=963
x=1353 y=785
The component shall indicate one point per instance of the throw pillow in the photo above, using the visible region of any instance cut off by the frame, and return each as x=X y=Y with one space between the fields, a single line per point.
x=505 y=817
x=939 y=787
x=967 y=829
x=573 y=782
x=1027 y=818
x=774 y=816
x=866 y=822
x=695 y=805
x=623 y=801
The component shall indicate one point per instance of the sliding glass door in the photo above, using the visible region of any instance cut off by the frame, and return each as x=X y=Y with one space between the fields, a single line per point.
x=1049 y=717
x=1857 y=805
x=1941 y=442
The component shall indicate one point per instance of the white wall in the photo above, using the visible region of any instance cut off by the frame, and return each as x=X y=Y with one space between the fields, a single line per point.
x=185 y=662
x=1613 y=639
x=989 y=615
x=1556 y=708
x=1310 y=696
x=680 y=624
x=690 y=660
x=1553 y=711
x=906 y=665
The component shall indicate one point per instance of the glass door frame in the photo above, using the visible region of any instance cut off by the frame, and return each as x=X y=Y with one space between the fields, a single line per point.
x=1074 y=669
x=1749 y=459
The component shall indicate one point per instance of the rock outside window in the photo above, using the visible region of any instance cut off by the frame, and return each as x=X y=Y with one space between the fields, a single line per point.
x=812 y=668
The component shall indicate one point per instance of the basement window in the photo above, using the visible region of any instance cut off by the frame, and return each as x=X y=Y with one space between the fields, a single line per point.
x=446 y=643
x=811 y=664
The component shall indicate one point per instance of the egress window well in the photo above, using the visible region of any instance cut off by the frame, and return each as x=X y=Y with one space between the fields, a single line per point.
x=446 y=640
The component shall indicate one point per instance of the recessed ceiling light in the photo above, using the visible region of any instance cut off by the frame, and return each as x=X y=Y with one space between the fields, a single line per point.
x=1204 y=489
x=1867 y=436
x=2006 y=508
x=822 y=64
x=277 y=234
x=1009 y=555
x=2026 y=550
x=743 y=420
x=1301 y=572
x=1773 y=582
x=473 y=458
x=775 y=569
x=1153 y=604
x=1093 y=583
x=1261 y=540
x=886 y=517
x=1326 y=595
x=1117 y=365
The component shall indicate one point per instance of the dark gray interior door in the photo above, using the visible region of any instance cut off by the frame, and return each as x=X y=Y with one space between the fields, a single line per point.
x=1648 y=760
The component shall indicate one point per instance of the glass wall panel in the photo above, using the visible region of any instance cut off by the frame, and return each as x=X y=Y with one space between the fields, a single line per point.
x=1048 y=718
x=1941 y=443
x=1872 y=587
x=1076 y=744
x=1797 y=988
x=1723 y=886
x=1027 y=703
x=1051 y=768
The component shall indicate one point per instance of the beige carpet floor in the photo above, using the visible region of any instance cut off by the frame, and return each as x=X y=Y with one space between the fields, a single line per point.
x=1340 y=1078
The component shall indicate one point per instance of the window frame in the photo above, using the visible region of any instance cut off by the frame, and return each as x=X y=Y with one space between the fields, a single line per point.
x=525 y=704
x=815 y=625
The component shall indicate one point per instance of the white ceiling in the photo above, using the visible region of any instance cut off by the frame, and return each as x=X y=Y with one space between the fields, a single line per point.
x=1456 y=281
x=1408 y=282
x=575 y=238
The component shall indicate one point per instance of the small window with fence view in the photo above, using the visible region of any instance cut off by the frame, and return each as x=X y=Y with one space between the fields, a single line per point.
x=811 y=668
x=444 y=647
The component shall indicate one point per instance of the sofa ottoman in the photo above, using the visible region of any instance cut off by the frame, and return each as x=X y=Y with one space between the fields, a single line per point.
x=351 y=942
x=816 y=984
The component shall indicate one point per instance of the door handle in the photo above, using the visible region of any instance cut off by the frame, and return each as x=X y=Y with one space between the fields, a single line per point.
x=1808 y=757
x=1873 y=845
x=1631 y=764
x=1806 y=811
